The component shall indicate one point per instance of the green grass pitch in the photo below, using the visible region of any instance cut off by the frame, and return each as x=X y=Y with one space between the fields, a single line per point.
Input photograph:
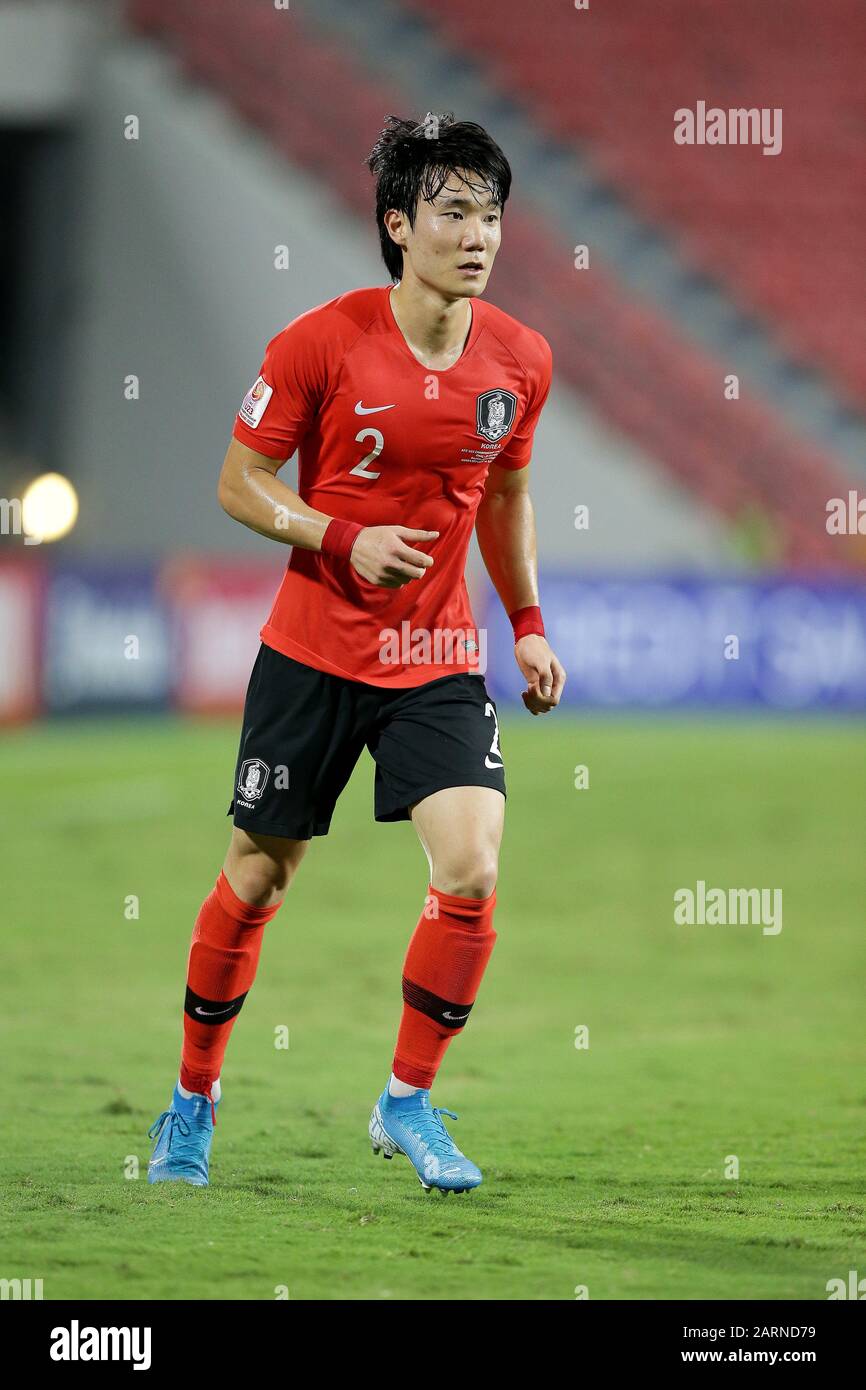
x=604 y=1166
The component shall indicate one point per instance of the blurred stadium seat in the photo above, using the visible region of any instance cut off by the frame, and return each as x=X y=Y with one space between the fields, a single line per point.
x=634 y=365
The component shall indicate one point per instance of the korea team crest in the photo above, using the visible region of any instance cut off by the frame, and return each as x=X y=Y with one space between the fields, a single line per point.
x=253 y=778
x=494 y=413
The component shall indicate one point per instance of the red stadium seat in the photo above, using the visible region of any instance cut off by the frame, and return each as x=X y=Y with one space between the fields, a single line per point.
x=607 y=83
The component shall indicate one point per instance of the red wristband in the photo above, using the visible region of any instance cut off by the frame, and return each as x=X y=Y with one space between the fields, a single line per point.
x=339 y=537
x=526 y=621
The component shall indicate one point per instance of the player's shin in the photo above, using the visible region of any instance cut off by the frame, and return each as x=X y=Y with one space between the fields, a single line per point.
x=444 y=965
x=223 y=957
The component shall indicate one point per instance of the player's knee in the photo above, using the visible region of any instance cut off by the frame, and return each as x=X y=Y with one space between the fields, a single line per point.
x=473 y=876
x=260 y=868
x=260 y=882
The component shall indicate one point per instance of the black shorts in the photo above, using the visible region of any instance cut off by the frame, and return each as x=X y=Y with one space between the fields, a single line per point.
x=304 y=730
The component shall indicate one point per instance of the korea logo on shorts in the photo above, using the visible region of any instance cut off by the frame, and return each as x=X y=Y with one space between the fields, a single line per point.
x=494 y=413
x=253 y=778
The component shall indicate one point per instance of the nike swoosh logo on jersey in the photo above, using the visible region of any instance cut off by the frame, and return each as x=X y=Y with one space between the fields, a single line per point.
x=488 y=763
x=211 y=1013
x=371 y=409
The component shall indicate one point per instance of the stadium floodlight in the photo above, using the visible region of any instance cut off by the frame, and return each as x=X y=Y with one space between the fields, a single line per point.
x=49 y=508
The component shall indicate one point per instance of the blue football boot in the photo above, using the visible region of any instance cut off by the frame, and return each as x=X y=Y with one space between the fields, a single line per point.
x=182 y=1138
x=410 y=1125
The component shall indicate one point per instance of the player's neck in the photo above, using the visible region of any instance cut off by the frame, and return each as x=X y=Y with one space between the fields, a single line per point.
x=436 y=329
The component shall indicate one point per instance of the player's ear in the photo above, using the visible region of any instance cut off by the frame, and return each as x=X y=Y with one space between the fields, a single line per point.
x=395 y=226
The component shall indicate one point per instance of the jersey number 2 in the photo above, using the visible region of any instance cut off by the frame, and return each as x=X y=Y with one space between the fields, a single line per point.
x=378 y=444
x=495 y=750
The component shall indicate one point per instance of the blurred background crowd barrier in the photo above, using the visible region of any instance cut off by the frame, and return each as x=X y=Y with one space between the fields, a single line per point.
x=187 y=631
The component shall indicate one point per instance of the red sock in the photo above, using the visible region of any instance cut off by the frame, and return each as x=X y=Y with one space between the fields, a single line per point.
x=447 y=957
x=223 y=957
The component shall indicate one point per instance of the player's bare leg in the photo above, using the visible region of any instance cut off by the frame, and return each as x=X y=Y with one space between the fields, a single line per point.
x=460 y=829
x=223 y=958
x=261 y=867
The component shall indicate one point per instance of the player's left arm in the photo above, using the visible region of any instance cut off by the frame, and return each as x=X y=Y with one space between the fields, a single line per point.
x=505 y=526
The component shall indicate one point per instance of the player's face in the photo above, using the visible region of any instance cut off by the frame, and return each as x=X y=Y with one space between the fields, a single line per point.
x=455 y=239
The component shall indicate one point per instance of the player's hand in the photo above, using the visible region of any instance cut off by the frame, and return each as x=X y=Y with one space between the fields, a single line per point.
x=384 y=555
x=544 y=675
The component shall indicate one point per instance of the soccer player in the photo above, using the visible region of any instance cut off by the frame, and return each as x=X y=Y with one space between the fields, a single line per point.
x=413 y=407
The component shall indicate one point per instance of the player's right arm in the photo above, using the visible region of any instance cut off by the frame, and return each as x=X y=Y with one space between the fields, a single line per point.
x=250 y=492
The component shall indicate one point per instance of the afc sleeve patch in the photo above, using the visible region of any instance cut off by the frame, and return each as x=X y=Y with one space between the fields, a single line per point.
x=255 y=403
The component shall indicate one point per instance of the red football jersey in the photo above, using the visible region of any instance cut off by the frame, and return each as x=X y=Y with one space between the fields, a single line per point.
x=384 y=440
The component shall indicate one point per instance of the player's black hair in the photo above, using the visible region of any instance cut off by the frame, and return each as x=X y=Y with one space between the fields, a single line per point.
x=413 y=159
